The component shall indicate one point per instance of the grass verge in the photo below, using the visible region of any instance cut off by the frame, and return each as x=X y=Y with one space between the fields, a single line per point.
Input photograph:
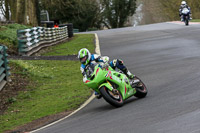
x=73 y=46
x=195 y=20
x=54 y=88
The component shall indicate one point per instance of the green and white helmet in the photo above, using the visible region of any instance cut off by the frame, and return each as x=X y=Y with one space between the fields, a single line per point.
x=84 y=56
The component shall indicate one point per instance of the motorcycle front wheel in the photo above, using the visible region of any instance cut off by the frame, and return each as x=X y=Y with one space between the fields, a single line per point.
x=186 y=20
x=113 y=99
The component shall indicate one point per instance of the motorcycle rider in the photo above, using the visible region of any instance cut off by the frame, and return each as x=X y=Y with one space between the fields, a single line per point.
x=86 y=58
x=184 y=5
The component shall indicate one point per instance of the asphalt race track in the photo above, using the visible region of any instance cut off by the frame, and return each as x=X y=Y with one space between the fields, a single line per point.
x=166 y=56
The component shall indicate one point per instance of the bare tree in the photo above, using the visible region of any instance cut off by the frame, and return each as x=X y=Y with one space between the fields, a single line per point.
x=4 y=8
x=20 y=11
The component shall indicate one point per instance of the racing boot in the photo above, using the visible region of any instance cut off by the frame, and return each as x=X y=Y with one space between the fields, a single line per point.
x=182 y=18
x=190 y=16
x=128 y=73
x=133 y=80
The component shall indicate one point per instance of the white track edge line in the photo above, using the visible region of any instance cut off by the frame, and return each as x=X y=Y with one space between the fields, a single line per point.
x=97 y=50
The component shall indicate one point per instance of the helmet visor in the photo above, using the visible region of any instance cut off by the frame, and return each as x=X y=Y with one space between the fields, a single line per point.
x=83 y=60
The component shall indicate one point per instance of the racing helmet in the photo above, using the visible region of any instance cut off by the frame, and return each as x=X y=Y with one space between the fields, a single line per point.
x=183 y=3
x=84 y=56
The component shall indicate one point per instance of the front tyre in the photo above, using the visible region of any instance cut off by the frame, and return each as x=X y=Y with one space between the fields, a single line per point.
x=141 y=89
x=113 y=99
x=186 y=20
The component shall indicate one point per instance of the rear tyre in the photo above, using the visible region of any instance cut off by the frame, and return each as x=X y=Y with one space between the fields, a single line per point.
x=114 y=100
x=141 y=90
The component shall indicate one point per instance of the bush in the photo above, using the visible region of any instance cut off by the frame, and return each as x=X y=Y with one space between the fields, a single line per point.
x=8 y=36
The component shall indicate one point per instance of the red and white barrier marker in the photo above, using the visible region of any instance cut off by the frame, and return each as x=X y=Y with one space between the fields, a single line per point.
x=182 y=23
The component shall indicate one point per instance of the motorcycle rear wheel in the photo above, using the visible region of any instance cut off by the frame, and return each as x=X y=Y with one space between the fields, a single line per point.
x=114 y=100
x=141 y=89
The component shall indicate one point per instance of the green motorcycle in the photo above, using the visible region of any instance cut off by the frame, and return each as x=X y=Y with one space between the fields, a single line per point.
x=114 y=86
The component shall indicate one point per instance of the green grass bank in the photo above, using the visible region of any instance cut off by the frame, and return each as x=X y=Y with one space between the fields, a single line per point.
x=72 y=47
x=8 y=36
x=195 y=20
x=54 y=86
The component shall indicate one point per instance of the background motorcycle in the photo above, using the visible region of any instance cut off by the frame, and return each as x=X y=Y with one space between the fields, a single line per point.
x=186 y=16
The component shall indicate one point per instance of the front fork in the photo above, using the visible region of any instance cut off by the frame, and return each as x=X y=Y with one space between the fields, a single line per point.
x=107 y=85
x=110 y=87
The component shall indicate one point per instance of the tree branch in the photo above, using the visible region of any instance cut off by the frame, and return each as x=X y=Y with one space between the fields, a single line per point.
x=3 y=11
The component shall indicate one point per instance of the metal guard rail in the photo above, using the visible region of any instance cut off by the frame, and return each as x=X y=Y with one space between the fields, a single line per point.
x=32 y=40
x=4 y=68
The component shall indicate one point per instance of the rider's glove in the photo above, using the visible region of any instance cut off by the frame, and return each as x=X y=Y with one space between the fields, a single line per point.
x=105 y=59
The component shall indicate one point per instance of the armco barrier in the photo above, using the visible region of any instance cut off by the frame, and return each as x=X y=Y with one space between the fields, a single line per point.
x=75 y=30
x=4 y=69
x=32 y=40
x=69 y=28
